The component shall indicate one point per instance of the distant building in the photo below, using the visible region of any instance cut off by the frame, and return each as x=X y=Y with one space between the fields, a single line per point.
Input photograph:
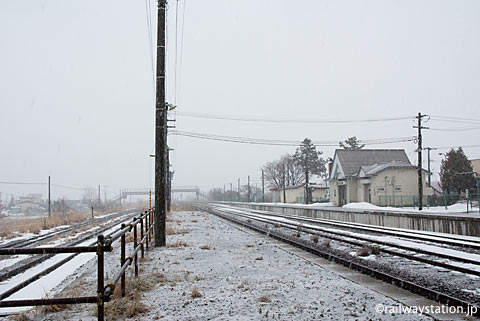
x=383 y=177
x=30 y=203
x=296 y=194
x=476 y=165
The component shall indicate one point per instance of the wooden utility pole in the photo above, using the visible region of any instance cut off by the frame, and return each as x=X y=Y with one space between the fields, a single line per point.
x=239 y=189
x=99 y=200
x=160 y=132
x=169 y=179
x=284 y=186
x=230 y=198
x=248 y=188
x=105 y=194
x=263 y=187
x=419 y=166
x=428 y=149
x=49 y=198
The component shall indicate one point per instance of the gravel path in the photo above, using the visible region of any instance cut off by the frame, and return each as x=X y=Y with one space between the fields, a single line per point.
x=235 y=277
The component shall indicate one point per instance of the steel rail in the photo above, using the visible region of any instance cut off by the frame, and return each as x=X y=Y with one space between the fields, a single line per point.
x=44 y=237
x=33 y=262
x=450 y=240
x=103 y=244
x=352 y=241
x=420 y=233
x=367 y=239
x=52 y=251
x=404 y=284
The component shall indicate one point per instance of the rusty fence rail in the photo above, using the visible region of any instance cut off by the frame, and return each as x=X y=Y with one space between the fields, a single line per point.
x=143 y=224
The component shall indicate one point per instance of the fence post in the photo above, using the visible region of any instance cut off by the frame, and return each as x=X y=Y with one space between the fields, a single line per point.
x=122 y=262
x=100 y=272
x=135 y=257
x=147 y=227
x=141 y=234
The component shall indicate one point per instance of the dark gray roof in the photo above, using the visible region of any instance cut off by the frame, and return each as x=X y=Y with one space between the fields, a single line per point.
x=377 y=168
x=352 y=160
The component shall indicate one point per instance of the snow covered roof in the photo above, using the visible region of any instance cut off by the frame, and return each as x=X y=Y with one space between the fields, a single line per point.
x=377 y=168
x=352 y=160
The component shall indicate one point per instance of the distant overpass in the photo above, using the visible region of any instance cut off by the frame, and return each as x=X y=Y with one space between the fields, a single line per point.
x=124 y=193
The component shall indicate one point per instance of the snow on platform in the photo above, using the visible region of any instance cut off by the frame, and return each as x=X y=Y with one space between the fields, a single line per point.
x=239 y=277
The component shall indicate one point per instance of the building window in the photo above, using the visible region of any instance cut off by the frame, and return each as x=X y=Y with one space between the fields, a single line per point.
x=381 y=189
x=335 y=192
x=398 y=188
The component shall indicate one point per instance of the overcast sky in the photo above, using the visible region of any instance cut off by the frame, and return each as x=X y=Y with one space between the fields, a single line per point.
x=77 y=91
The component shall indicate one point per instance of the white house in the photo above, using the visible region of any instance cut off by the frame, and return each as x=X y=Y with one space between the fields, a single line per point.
x=296 y=194
x=383 y=177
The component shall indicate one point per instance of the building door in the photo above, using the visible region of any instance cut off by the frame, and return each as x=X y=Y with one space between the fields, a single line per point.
x=366 y=193
x=342 y=195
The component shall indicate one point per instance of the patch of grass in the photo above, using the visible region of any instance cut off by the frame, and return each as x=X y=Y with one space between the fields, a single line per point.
x=325 y=244
x=178 y=244
x=131 y=305
x=299 y=230
x=243 y=285
x=264 y=298
x=34 y=225
x=174 y=231
x=276 y=225
x=314 y=238
x=367 y=250
x=205 y=247
x=196 y=293
x=24 y=316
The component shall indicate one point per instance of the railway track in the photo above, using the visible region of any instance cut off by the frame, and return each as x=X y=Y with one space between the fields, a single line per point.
x=62 y=231
x=419 y=262
x=108 y=225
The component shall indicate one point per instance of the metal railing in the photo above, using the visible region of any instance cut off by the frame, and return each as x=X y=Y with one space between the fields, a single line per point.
x=428 y=200
x=102 y=245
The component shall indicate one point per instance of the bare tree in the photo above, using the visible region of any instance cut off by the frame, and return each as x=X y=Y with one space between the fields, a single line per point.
x=90 y=198
x=283 y=172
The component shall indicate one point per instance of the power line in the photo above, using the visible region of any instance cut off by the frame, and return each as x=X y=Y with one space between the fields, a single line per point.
x=455 y=129
x=456 y=119
x=181 y=51
x=22 y=183
x=70 y=187
x=278 y=120
x=458 y=146
x=148 y=17
x=57 y=185
x=276 y=142
x=176 y=54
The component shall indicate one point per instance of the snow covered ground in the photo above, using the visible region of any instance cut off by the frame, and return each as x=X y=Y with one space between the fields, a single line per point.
x=455 y=209
x=238 y=277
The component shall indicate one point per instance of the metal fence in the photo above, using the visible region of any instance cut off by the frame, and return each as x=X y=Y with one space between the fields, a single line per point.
x=428 y=200
x=102 y=245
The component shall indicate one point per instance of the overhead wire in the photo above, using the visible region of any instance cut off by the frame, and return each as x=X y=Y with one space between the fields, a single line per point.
x=176 y=55
x=181 y=51
x=44 y=184
x=290 y=120
x=454 y=129
x=277 y=142
x=148 y=16
x=455 y=119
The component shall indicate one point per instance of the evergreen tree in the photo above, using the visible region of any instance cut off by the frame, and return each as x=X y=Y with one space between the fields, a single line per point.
x=351 y=143
x=456 y=172
x=308 y=158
